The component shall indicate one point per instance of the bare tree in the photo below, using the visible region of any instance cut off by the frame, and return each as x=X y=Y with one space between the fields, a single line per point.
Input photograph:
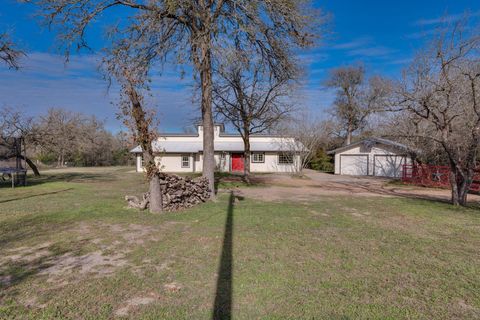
x=439 y=94
x=9 y=53
x=356 y=98
x=309 y=135
x=250 y=97
x=14 y=123
x=59 y=133
x=197 y=28
x=131 y=74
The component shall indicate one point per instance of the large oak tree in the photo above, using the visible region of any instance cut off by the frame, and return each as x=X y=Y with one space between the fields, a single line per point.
x=197 y=29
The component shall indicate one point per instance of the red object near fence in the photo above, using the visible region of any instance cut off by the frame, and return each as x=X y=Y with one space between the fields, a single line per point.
x=433 y=176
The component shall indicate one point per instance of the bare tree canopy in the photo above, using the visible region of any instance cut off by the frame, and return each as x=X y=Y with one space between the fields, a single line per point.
x=60 y=136
x=312 y=133
x=356 y=98
x=439 y=96
x=15 y=124
x=193 y=30
x=249 y=96
x=9 y=53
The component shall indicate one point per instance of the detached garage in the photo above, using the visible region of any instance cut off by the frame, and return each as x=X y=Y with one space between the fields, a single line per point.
x=371 y=157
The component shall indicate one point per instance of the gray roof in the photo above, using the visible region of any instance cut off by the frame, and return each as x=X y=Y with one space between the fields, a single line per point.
x=197 y=146
x=371 y=141
x=173 y=147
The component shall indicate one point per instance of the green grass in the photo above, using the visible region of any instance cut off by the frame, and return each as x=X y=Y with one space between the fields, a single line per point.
x=337 y=258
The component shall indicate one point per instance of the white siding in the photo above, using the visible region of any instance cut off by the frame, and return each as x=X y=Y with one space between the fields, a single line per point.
x=173 y=163
x=222 y=165
x=271 y=164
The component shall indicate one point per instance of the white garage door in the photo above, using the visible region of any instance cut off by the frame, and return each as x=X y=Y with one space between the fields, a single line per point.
x=355 y=165
x=388 y=165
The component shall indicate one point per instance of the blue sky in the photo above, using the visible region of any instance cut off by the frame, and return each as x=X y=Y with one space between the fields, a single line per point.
x=383 y=35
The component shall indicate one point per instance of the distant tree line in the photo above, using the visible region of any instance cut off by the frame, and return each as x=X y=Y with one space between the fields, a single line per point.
x=62 y=138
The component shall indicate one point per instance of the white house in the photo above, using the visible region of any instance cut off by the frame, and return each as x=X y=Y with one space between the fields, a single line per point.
x=184 y=152
x=371 y=157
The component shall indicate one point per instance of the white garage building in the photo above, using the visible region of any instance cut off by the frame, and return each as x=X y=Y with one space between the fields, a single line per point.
x=371 y=157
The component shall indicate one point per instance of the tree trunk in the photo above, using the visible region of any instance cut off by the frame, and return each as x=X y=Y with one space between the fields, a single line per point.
x=246 y=157
x=31 y=165
x=207 y=116
x=349 y=135
x=463 y=193
x=460 y=183
x=145 y=139
x=156 y=200
x=453 y=183
x=464 y=187
x=156 y=203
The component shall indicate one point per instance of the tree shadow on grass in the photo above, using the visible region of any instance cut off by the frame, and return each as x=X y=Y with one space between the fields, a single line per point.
x=35 y=195
x=31 y=263
x=16 y=272
x=226 y=180
x=222 y=308
x=77 y=177
x=385 y=190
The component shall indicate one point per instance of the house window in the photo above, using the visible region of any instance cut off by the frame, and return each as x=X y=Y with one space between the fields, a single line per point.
x=258 y=157
x=285 y=158
x=185 y=161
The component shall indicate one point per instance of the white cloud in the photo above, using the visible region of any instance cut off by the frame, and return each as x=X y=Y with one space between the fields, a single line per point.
x=46 y=81
x=371 y=51
x=363 y=47
x=447 y=18
x=309 y=58
x=356 y=43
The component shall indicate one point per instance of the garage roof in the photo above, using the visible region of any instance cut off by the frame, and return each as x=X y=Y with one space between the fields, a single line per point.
x=371 y=141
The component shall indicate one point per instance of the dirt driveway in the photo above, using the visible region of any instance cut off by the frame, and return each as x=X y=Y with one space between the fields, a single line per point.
x=313 y=184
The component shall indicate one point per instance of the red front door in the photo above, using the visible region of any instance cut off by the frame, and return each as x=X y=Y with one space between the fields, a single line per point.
x=237 y=162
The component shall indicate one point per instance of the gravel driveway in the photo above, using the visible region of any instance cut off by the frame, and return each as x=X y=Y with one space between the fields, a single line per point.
x=313 y=184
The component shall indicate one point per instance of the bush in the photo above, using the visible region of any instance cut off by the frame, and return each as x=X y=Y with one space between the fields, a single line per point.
x=321 y=161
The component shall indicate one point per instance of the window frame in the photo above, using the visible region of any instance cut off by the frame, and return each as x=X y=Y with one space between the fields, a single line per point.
x=291 y=155
x=182 y=162
x=252 y=157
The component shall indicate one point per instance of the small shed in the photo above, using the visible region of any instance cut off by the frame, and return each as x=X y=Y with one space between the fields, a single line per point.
x=371 y=157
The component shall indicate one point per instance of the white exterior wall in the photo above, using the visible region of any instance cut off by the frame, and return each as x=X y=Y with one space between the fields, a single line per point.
x=222 y=165
x=271 y=164
x=171 y=162
x=375 y=150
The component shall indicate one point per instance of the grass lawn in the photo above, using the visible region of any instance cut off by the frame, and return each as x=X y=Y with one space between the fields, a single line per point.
x=70 y=249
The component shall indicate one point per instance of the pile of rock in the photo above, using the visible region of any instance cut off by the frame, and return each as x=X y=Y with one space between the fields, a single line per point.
x=178 y=193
